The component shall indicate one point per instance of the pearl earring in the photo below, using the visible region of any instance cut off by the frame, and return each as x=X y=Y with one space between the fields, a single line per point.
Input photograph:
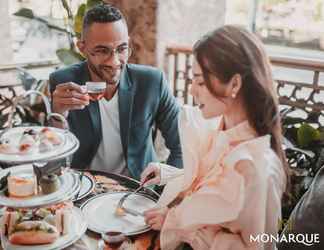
x=233 y=95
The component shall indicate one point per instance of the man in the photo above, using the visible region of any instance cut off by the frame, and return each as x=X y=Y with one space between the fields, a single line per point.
x=115 y=133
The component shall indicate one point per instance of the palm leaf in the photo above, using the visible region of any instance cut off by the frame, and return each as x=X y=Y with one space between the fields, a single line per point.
x=68 y=56
x=25 y=12
x=78 y=19
x=92 y=3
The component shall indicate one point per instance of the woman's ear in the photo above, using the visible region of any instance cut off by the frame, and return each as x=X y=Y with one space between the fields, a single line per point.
x=235 y=85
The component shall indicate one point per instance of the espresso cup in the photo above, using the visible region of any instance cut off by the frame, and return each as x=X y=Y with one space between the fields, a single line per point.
x=96 y=90
x=113 y=239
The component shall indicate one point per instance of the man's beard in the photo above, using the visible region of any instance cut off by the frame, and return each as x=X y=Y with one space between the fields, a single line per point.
x=106 y=73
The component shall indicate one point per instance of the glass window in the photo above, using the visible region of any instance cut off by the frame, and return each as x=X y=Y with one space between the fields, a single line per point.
x=292 y=27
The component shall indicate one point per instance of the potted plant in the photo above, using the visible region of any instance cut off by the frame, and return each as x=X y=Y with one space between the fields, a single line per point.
x=304 y=148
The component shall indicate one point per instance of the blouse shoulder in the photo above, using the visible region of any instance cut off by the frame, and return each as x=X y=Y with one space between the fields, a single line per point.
x=263 y=159
x=249 y=150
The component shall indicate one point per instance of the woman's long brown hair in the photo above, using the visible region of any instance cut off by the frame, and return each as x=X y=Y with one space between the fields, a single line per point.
x=232 y=50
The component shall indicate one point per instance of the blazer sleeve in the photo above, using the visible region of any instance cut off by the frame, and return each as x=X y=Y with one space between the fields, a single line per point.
x=52 y=83
x=167 y=123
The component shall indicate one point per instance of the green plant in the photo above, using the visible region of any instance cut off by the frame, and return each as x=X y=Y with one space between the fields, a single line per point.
x=25 y=112
x=304 y=148
x=72 y=29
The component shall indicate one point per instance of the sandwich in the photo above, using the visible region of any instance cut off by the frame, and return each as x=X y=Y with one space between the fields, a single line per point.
x=26 y=226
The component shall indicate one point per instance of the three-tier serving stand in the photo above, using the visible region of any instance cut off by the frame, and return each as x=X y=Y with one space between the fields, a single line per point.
x=22 y=165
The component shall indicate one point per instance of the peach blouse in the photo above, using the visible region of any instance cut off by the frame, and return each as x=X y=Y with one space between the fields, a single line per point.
x=231 y=187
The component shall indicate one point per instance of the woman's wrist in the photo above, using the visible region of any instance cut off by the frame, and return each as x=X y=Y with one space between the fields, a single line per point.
x=168 y=173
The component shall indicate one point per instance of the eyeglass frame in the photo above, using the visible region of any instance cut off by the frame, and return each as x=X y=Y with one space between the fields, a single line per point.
x=112 y=52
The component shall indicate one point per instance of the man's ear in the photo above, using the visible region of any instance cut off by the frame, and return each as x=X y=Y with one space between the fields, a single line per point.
x=80 y=44
x=235 y=85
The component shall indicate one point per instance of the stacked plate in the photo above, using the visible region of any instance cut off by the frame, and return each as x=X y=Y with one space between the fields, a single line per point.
x=69 y=187
x=79 y=227
x=60 y=144
x=67 y=146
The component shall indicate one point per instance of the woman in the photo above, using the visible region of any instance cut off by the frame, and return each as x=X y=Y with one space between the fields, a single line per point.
x=234 y=167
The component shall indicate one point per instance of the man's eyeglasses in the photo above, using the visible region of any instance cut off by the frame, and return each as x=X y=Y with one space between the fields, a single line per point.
x=123 y=52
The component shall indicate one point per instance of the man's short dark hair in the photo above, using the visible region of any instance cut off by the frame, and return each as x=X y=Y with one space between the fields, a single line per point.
x=102 y=13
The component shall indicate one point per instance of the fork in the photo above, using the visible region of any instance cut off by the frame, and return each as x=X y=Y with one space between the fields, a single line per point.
x=120 y=210
x=81 y=174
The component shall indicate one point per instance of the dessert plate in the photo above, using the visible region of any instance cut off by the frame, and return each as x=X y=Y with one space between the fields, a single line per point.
x=79 y=227
x=99 y=212
x=87 y=185
x=69 y=186
x=68 y=144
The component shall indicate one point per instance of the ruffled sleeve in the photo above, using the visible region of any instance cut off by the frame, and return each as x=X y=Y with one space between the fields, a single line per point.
x=168 y=173
x=219 y=201
x=219 y=186
x=194 y=132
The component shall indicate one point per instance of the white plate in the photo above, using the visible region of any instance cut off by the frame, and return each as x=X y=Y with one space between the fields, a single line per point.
x=99 y=212
x=87 y=186
x=78 y=229
x=69 y=145
x=70 y=185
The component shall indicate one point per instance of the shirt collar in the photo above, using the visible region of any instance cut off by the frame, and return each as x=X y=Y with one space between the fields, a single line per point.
x=241 y=132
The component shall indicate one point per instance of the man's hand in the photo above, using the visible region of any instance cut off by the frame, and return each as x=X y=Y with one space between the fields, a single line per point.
x=155 y=217
x=69 y=96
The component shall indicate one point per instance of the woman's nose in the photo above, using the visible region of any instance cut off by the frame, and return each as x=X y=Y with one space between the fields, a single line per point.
x=192 y=89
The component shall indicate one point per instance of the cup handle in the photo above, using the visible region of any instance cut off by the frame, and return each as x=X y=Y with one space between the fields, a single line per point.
x=61 y=118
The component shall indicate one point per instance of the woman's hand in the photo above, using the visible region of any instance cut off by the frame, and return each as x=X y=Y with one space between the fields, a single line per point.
x=155 y=217
x=151 y=168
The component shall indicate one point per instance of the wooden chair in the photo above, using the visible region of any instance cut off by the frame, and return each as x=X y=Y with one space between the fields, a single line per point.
x=305 y=96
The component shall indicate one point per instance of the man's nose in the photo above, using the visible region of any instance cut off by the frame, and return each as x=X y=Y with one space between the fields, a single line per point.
x=113 y=60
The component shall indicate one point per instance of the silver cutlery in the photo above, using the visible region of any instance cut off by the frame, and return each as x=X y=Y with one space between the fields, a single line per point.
x=120 y=209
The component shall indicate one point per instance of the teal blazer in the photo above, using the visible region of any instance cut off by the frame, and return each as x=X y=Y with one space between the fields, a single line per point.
x=145 y=101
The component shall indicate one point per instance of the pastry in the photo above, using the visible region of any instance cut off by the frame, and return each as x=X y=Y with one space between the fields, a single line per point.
x=50 y=135
x=22 y=186
x=49 y=183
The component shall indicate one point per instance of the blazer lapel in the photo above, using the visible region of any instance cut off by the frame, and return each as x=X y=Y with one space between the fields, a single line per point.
x=125 y=103
x=94 y=112
x=93 y=109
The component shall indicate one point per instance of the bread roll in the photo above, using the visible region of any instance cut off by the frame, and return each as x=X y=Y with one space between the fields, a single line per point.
x=33 y=233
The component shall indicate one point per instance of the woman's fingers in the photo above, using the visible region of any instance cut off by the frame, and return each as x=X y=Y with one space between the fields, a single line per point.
x=155 y=217
x=151 y=168
x=153 y=221
x=156 y=222
x=147 y=171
